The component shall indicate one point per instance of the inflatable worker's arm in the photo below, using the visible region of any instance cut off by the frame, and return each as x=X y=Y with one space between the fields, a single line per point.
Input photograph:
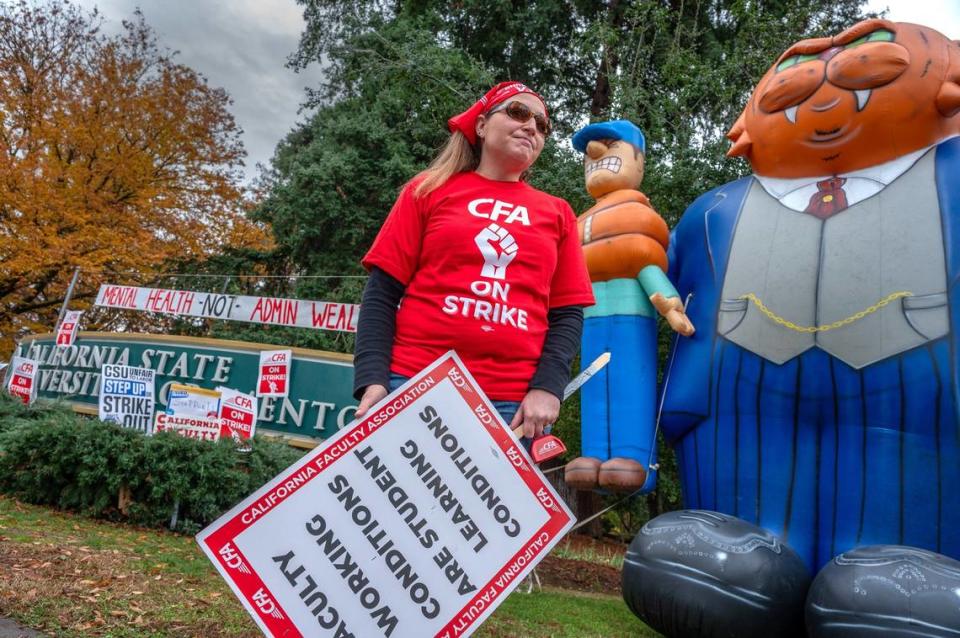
x=665 y=299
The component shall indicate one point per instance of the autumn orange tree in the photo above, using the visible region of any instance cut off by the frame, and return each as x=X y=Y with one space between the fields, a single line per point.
x=113 y=158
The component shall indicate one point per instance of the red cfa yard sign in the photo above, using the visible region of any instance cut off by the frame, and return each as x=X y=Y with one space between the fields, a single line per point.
x=22 y=379
x=67 y=330
x=238 y=414
x=416 y=521
x=274 y=379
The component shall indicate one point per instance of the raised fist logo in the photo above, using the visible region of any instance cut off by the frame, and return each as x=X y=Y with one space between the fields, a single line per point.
x=498 y=249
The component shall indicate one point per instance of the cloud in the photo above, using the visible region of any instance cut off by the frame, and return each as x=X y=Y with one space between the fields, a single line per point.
x=240 y=45
x=942 y=16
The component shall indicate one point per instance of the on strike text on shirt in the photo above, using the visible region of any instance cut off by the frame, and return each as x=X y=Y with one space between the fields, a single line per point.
x=483 y=261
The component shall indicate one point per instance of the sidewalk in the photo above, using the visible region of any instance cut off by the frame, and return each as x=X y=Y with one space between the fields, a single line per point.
x=10 y=629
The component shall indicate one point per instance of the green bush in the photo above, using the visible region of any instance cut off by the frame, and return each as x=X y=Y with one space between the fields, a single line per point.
x=51 y=456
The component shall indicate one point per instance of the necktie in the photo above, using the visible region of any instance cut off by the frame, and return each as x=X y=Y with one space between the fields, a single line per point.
x=828 y=199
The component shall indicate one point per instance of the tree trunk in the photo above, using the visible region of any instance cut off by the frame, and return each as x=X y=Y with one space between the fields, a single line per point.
x=609 y=62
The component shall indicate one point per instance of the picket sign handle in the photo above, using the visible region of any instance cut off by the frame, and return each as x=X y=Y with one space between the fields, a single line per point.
x=577 y=381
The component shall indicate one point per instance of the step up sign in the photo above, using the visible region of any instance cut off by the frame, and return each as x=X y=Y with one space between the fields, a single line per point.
x=126 y=396
x=416 y=520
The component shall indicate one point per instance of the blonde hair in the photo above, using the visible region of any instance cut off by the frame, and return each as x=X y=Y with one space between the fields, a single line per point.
x=457 y=156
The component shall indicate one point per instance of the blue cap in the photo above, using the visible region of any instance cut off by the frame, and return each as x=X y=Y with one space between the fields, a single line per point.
x=624 y=130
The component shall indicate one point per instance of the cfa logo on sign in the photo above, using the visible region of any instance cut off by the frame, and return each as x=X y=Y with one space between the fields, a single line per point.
x=546 y=499
x=242 y=402
x=279 y=357
x=233 y=559
x=494 y=209
x=25 y=368
x=266 y=604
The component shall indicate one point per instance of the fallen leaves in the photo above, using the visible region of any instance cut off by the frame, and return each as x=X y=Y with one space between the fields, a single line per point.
x=110 y=587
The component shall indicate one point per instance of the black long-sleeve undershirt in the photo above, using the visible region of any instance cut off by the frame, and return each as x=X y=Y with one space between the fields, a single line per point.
x=378 y=322
x=375 y=329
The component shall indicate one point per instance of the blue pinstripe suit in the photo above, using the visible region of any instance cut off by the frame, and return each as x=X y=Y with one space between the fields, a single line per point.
x=824 y=455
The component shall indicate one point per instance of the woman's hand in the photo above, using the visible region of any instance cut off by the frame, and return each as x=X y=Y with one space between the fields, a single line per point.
x=538 y=409
x=371 y=395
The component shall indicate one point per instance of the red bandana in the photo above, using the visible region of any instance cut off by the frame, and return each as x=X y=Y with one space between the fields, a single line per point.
x=466 y=122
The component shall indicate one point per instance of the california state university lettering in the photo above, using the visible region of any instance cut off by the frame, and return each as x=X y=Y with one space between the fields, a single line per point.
x=318 y=400
x=297 y=313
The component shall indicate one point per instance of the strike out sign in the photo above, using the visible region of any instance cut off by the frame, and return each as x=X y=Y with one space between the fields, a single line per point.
x=22 y=379
x=415 y=521
x=126 y=396
x=274 y=378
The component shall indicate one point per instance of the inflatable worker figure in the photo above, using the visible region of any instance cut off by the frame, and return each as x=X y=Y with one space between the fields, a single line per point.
x=815 y=412
x=624 y=242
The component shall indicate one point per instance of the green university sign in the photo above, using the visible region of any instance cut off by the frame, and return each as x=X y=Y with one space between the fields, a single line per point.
x=320 y=399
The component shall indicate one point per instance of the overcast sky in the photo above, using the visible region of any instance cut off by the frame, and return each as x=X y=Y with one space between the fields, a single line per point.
x=242 y=46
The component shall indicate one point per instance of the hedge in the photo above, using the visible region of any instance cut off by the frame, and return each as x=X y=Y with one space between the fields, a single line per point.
x=51 y=456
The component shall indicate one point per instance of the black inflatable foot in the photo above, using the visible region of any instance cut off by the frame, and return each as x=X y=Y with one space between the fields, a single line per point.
x=703 y=574
x=886 y=590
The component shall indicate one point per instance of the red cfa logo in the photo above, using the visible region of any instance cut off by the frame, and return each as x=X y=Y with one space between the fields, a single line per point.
x=25 y=368
x=242 y=402
x=516 y=458
x=232 y=559
x=548 y=446
x=266 y=605
x=547 y=500
x=278 y=357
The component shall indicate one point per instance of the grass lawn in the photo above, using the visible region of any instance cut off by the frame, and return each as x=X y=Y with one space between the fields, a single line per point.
x=70 y=576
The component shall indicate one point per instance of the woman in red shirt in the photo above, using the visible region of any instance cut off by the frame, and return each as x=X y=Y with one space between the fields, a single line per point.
x=480 y=262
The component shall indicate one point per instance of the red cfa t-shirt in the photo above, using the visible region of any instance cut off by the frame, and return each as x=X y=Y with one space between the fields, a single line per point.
x=482 y=261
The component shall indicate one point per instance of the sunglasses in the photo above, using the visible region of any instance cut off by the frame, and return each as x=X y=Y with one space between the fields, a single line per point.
x=522 y=113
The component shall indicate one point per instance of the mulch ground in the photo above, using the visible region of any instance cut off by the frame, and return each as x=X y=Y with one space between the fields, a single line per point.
x=582 y=575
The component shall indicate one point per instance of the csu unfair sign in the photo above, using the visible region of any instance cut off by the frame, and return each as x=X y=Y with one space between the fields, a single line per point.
x=274 y=379
x=126 y=396
x=417 y=520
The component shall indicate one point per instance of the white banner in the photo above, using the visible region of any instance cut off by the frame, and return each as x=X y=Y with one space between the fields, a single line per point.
x=273 y=379
x=296 y=313
x=67 y=330
x=238 y=414
x=21 y=379
x=126 y=396
x=417 y=520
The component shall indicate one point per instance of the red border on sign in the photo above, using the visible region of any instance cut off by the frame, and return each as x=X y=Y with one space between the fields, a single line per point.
x=249 y=583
